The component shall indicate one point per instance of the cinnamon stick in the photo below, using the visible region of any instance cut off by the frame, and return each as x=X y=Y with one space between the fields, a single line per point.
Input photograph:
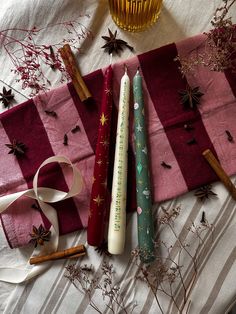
x=220 y=172
x=73 y=70
x=76 y=255
x=73 y=252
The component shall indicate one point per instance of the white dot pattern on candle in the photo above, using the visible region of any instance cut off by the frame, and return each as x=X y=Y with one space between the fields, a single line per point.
x=117 y=221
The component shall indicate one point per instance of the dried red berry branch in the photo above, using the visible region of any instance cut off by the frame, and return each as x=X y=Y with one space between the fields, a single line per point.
x=219 y=48
x=31 y=58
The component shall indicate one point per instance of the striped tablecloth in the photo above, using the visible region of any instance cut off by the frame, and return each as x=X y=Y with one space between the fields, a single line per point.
x=215 y=287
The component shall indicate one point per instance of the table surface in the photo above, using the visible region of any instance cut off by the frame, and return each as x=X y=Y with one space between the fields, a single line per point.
x=215 y=288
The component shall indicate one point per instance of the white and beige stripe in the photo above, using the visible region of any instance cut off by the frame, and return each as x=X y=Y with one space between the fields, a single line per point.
x=216 y=263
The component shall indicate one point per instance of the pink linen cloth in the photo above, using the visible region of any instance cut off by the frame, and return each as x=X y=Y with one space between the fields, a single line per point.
x=43 y=135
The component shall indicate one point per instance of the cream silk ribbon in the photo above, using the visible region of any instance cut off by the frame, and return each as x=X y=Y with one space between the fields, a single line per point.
x=42 y=195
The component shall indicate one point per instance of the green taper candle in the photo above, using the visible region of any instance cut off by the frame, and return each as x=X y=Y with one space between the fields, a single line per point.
x=143 y=186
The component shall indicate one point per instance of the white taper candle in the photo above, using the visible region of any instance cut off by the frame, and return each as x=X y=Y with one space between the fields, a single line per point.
x=117 y=221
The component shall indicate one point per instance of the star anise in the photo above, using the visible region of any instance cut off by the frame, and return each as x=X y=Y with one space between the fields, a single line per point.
x=205 y=192
x=103 y=249
x=114 y=44
x=16 y=148
x=39 y=235
x=6 y=97
x=190 y=97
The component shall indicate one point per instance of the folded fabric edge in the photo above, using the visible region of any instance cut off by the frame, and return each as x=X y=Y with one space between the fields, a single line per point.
x=117 y=64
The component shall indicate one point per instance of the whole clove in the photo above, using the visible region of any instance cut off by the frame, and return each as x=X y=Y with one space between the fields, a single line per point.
x=165 y=165
x=229 y=136
x=65 y=142
x=192 y=141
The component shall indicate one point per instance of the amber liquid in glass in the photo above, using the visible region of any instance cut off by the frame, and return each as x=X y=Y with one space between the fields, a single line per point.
x=135 y=15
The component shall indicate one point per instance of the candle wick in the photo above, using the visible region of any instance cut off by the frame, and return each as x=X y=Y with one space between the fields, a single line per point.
x=125 y=66
x=110 y=58
x=137 y=73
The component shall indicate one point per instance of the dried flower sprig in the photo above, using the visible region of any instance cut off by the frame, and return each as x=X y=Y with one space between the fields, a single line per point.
x=168 y=216
x=167 y=272
x=166 y=275
x=84 y=279
x=219 y=46
x=30 y=58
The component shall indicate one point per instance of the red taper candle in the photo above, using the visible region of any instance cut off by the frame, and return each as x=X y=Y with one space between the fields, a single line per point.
x=97 y=212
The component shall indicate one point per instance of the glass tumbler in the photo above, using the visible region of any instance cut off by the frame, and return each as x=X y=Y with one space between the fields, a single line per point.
x=135 y=15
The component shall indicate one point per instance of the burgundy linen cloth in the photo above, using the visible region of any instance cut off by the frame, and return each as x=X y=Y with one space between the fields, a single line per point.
x=43 y=135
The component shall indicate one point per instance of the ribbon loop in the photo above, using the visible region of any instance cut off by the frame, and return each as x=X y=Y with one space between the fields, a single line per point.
x=43 y=195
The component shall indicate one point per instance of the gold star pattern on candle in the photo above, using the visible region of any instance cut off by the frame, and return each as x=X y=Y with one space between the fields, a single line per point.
x=105 y=142
x=104 y=184
x=103 y=119
x=148 y=211
x=99 y=190
x=98 y=200
x=108 y=91
x=99 y=162
x=140 y=228
x=138 y=144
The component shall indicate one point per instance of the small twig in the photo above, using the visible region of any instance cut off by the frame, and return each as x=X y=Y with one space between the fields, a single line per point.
x=154 y=293
x=181 y=244
x=173 y=299
x=190 y=288
x=15 y=90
